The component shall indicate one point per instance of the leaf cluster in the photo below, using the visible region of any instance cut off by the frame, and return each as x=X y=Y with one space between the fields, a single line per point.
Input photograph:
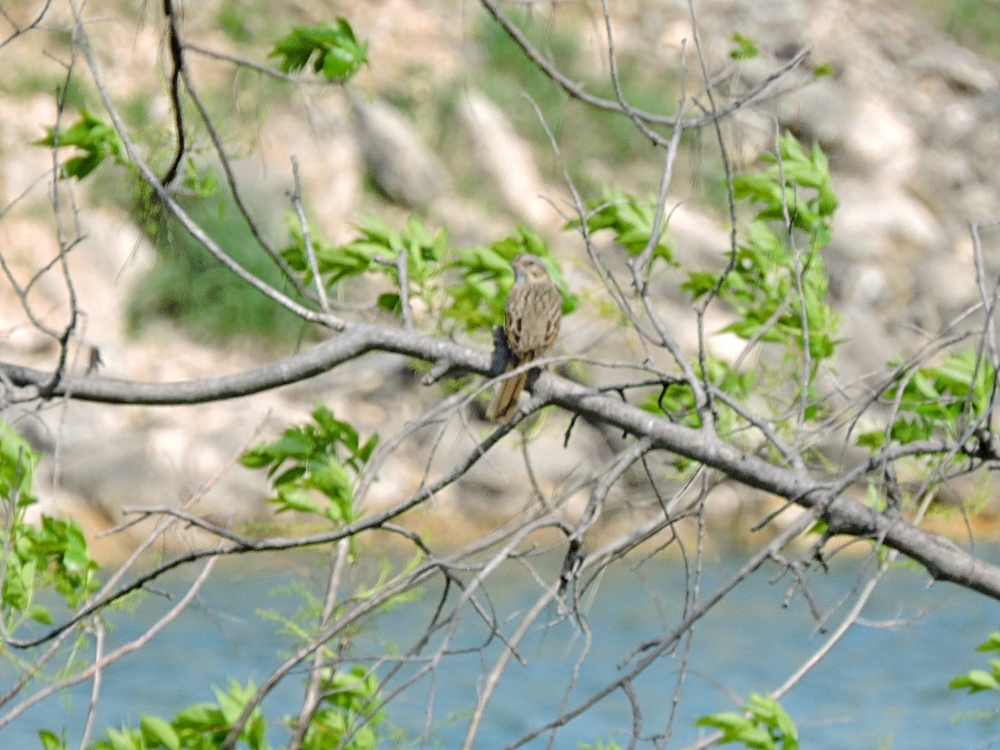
x=479 y=299
x=376 y=250
x=764 y=725
x=89 y=134
x=310 y=462
x=762 y=287
x=202 y=726
x=745 y=48
x=52 y=554
x=937 y=399
x=632 y=221
x=979 y=680
x=475 y=299
x=351 y=704
x=676 y=400
x=334 y=50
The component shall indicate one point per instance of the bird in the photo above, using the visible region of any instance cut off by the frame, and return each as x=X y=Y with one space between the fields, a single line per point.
x=531 y=322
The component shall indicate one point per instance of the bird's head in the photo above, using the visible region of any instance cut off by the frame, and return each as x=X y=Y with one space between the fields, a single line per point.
x=528 y=267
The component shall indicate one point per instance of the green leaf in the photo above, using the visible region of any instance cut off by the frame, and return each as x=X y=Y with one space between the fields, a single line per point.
x=735 y=727
x=41 y=614
x=976 y=680
x=334 y=48
x=390 y=302
x=50 y=741
x=290 y=476
x=297 y=500
x=255 y=459
x=200 y=717
x=990 y=644
x=121 y=740
x=17 y=465
x=94 y=137
x=231 y=703
x=293 y=444
x=75 y=556
x=763 y=726
x=700 y=283
x=745 y=48
x=316 y=457
x=935 y=398
x=631 y=220
x=365 y=451
x=823 y=70
x=157 y=732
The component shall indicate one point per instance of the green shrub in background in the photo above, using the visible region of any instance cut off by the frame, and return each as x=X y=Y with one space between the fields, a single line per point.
x=193 y=290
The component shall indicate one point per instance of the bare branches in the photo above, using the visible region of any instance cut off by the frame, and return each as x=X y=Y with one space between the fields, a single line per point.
x=21 y=30
x=661 y=462
x=943 y=559
x=177 y=65
x=134 y=645
x=296 y=198
x=171 y=204
x=577 y=92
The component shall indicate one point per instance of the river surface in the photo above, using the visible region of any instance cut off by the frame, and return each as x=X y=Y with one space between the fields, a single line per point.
x=885 y=681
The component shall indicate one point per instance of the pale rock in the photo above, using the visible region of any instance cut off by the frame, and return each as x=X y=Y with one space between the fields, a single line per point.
x=950 y=282
x=821 y=111
x=726 y=346
x=509 y=160
x=401 y=164
x=880 y=142
x=25 y=168
x=959 y=67
x=960 y=119
x=319 y=136
x=873 y=216
x=978 y=202
x=869 y=285
x=698 y=240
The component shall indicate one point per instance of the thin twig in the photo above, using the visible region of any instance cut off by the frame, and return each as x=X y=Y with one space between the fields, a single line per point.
x=296 y=198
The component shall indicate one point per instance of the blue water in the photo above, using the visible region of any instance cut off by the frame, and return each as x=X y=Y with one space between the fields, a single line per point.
x=887 y=677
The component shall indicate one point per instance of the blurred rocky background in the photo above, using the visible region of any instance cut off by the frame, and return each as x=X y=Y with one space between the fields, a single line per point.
x=440 y=123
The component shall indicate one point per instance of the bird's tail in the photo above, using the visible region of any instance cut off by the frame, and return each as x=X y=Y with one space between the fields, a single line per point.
x=504 y=402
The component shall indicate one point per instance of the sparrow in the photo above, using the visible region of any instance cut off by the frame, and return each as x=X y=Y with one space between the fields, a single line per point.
x=531 y=322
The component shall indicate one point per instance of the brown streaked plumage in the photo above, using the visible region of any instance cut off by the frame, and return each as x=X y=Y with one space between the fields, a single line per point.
x=534 y=311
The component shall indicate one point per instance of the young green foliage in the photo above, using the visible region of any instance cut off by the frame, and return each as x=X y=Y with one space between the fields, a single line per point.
x=764 y=725
x=475 y=301
x=314 y=458
x=351 y=704
x=823 y=70
x=333 y=48
x=17 y=467
x=978 y=680
x=480 y=298
x=937 y=399
x=745 y=48
x=376 y=250
x=202 y=726
x=201 y=184
x=631 y=220
x=762 y=287
x=676 y=401
x=52 y=554
x=89 y=134
x=52 y=741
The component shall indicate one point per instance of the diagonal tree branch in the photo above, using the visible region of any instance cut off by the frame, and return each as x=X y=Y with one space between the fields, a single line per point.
x=943 y=559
